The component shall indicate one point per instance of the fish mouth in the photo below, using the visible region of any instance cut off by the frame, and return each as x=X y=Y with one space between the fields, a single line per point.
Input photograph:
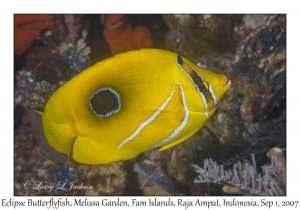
x=228 y=82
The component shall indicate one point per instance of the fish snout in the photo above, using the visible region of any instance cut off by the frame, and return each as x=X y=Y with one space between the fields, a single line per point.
x=225 y=85
x=227 y=82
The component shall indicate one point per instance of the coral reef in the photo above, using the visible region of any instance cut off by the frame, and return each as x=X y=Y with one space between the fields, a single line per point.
x=58 y=65
x=121 y=36
x=259 y=88
x=76 y=56
x=31 y=94
x=152 y=177
x=27 y=28
x=263 y=99
x=198 y=34
x=47 y=64
x=58 y=32
x=106 y=179
x=74 y=25
x=69 y=28
x=244 y=179
x=158 y=172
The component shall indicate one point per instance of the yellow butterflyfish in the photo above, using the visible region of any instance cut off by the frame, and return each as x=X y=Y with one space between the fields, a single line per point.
x=128 y=104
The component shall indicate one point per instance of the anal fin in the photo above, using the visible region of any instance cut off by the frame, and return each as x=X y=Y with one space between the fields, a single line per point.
x=88 y=151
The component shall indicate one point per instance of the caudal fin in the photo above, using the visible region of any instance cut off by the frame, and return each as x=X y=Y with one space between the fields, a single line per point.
x=38 y=129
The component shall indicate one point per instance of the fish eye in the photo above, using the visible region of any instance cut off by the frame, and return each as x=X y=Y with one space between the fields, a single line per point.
x=201 y=87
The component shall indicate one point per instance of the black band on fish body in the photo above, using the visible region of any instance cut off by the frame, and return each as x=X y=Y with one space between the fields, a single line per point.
x=201 y=86
x=195 y=77
x=198 y=81
x=179 y=60
x=104 y=102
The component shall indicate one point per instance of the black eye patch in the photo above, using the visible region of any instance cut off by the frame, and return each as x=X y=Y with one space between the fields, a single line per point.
x=195 y=77
x=197 y=80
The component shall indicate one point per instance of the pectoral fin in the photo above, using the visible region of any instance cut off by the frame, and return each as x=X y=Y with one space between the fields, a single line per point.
x=169 y=116
x=165 y=119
